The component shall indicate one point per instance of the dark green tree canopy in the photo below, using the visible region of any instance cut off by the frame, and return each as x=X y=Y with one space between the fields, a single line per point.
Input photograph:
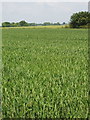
x=57 y=23
x=79 y=19
x=6 y=24
x=46 y=23
x=23 y=23
x=32 y=24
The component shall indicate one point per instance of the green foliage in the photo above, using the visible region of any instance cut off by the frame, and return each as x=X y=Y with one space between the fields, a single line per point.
x=79 y=19
x=32 y=24
x=6 y=24
x=13 y=24
x=45 y=73
x=46 y=23
x=63 y=23
x=57 y=23
x=23 y=23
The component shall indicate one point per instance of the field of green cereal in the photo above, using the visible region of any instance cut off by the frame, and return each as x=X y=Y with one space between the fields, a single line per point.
x=45 y=73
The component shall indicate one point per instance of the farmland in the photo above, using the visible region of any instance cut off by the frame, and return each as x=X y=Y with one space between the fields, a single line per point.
x=45 y=73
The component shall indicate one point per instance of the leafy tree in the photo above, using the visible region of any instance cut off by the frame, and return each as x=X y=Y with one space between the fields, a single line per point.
x=6 y=24
x=32 y=24
x=63 y=23
x=17 y=24
x=23 y=23
x=13 y=24
x=46 y=23
x=57 y=23
x=79 y=19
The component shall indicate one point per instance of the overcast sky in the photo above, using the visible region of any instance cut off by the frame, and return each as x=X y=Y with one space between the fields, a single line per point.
x=44 y=0
x=40 y=12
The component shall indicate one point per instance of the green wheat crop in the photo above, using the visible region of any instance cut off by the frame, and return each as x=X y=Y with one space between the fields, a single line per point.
x=45 y=73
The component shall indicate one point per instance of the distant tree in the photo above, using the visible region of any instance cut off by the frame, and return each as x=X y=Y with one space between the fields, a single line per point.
x=6 y=24
x=63 y=23
x=46 y=23
x=79 y=19
x=39 y=24
x=13 y=24
x=23 y=23
x=57 y=23
x=32 y=24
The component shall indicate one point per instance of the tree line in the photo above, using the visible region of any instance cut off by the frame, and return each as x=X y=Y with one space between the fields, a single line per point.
x=24 y=23
x=77 y=20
